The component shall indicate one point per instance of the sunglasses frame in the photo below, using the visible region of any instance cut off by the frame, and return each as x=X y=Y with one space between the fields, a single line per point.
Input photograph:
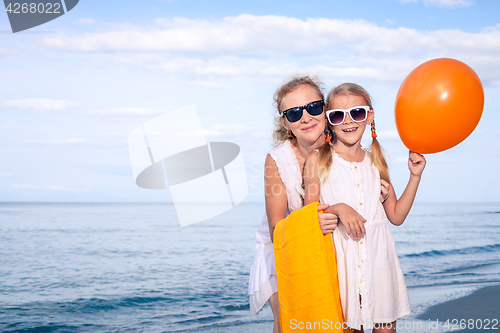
x=365 y=107
x=301 y=109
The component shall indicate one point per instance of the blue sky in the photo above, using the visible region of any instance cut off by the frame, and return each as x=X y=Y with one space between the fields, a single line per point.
x=74 y=88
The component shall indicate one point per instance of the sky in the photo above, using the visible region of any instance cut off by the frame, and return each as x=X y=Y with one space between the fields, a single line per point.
x=73 y=89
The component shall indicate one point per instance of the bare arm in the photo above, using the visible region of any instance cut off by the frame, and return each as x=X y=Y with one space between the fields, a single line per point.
x=275 y=195
x=398 y=209
x=352 y=221
x=327 y=221
x=311 y=179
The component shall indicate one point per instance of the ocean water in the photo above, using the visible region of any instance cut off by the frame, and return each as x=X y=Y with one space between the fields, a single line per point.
x=82 y=267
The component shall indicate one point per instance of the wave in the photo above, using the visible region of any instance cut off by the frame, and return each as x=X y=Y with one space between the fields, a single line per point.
x=465 y=250
x=172 y=312
x=241 y=307
x=235 y=325
x=468 y=267
x=43 y=328
x=99 y=304
x=439 y=283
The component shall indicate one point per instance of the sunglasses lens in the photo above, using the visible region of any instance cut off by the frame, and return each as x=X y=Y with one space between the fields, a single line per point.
x=358 y=114
x=336 y=117
x=294 y=114
x=315 y=108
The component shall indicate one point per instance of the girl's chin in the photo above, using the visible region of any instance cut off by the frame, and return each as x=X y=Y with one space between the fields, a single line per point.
x=349 y=140
x=352 y=144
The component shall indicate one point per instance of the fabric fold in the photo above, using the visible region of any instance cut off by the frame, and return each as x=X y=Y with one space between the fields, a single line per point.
x=307 y=275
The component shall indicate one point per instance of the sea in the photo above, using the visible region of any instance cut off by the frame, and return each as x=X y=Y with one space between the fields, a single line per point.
x=130 y=267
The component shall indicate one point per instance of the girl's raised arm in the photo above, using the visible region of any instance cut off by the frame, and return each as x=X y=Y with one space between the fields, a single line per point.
x=275 y=195
x=398 y=209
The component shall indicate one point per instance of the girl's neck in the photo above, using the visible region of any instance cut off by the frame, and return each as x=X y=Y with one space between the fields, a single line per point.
x=352 y=153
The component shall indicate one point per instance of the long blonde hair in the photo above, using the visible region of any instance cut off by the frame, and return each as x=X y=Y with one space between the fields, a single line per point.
x=375 y=150
x=280 y=133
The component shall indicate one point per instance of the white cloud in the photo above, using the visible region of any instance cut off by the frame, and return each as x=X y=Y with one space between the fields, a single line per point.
x=243 y=34
x=50 y=188
x=265 y=35
x=37 y=105
x=272 y=47
x=85 y=21
x=5 y=174
x=56 y=142
x=212 y=73
x=126 y=111
x=444 y=3
x=226 y=66
x=449 y=3
x=8 y=52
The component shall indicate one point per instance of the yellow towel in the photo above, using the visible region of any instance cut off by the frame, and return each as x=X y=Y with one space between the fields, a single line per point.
x=308 y=287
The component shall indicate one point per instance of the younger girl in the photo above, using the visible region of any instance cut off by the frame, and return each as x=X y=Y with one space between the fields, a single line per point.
x=372 y=287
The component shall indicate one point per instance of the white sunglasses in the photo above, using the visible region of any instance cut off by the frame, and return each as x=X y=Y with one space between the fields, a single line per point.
x=357 y=114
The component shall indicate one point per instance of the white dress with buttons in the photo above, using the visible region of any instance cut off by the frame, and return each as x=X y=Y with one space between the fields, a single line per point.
x=368 y=267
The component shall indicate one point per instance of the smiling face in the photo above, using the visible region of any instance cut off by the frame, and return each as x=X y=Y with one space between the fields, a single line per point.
x=309 y=129
x=349 y=133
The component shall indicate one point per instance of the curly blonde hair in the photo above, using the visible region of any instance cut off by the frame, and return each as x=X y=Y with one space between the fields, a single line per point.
x=280 y=133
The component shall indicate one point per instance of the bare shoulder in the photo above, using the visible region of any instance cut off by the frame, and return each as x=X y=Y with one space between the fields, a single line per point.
x=270 y=162
x=271 y=171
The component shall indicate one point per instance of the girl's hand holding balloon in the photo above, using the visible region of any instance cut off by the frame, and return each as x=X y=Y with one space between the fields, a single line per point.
x=416 y=164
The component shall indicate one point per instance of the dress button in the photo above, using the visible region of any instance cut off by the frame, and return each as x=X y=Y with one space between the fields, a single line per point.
x=357 y=185
x=355 y=167
x=361 y=204
x=361 y=281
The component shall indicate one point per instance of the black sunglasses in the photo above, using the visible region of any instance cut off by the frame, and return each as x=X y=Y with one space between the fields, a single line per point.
x=294 y=114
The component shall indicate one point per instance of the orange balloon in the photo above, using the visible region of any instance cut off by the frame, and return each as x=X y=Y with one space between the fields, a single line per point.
x=438 y=105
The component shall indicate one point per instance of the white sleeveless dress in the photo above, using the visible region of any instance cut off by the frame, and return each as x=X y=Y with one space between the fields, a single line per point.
x=369 y=267
x=263 y=281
